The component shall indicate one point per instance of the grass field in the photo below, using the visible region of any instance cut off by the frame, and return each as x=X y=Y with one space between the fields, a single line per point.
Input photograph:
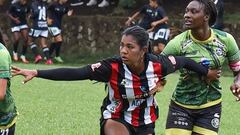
x=73 y=108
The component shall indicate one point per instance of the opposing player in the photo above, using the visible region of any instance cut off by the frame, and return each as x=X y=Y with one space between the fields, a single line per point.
x=39 y=30
x=155 y=22
x=8 y=112
x=18 y=12
x=55 y=13
x=133 y=79
x=195 y=108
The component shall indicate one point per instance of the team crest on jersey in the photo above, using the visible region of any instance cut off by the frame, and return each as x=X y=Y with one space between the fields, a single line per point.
x=215 y=122
x=96 y=65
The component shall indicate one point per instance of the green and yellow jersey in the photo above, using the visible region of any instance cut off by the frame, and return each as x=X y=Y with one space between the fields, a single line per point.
x=192 y=91
x=8 y=111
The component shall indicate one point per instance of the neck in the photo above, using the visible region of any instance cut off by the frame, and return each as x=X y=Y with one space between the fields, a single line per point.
x=201 y=33
x=137 y=68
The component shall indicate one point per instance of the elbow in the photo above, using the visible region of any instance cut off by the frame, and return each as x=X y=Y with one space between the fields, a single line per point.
x=166 y=19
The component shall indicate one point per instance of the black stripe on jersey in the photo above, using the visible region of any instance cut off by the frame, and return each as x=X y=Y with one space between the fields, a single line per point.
x=122 y=90
x=144 y=88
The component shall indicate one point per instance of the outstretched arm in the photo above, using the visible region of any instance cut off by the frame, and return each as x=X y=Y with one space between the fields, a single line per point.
x=63 y=74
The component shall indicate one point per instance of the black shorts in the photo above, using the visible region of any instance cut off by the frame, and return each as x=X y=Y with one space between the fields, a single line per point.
x=186 y=121
x=141 y=130
x=8 y=131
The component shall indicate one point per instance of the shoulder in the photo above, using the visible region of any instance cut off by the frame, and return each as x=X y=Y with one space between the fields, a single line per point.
x=3 y=51
x=222 y=35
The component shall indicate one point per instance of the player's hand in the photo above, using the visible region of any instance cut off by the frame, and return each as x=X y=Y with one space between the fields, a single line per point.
x=49 y=21
x=213 y=74
x=128 y=22
x=158 y=88
x=28 y=74
x=16 y=20
x=154 y=24
x=70 y=12
x=235 y=88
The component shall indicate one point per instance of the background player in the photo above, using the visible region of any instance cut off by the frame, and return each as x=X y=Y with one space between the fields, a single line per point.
x=55 y=13
x=155 y=22
x=39 y=30
x=18 y=12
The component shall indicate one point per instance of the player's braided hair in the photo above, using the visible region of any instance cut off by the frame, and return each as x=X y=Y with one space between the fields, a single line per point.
x=210 y=9
x=140 y=35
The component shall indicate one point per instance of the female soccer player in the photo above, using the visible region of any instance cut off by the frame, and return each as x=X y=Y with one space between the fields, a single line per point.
x=55 y=14
x=18 y=12
x=39 y=30
x=8 y=112
x=195 y=108
x=133 y=78
x=155 y=22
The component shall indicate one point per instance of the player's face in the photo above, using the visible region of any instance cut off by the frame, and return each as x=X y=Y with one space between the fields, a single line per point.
x=130 y=51
x=194 y=16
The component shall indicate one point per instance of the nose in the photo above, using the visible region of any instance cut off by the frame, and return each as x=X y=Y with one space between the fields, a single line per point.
x=186 y=15
x=123 y=49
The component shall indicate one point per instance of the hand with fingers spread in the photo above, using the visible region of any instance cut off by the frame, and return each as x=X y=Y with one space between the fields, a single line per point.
x=28 y=74
x=235 y=88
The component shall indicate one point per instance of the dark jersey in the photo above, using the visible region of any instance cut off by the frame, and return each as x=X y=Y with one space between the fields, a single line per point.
x=150 y=15
x=39 y=15
x=19 y=11
x=56 y=12
x=128 y=97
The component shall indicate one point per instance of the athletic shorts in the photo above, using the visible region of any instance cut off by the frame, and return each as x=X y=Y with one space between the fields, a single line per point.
x=38 y=33
x=160 y=36
x=182 y=121
x=8 y=131
x=141 y=130
x=55 y=31
x=19 y=28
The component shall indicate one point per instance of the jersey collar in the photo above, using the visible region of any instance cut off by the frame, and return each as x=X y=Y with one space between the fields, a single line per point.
x=204 y=41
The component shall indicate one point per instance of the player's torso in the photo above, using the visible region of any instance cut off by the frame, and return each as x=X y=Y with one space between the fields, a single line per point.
x=20 y=11
x=57 y=14
x=39 y=12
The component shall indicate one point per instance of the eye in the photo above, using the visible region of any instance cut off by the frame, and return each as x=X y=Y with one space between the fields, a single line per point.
x=130 y=46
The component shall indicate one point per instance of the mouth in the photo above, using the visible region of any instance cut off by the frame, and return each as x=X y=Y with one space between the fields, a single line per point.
x=124 y=58
x=187 y=22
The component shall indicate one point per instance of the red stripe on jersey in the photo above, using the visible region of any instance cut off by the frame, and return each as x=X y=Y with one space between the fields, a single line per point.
x=114 y=85
x=157 y=67
x=135 y=117
x=153 y=113
x=137 y=91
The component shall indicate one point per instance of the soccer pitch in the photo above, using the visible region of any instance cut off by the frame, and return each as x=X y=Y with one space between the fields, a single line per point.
x=73 y=108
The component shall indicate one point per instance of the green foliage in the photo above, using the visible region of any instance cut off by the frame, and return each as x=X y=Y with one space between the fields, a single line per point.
x=73 y=108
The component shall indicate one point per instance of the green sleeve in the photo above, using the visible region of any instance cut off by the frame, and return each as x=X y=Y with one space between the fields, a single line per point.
x=5 y=62
x=233 y=53
x=173 y=47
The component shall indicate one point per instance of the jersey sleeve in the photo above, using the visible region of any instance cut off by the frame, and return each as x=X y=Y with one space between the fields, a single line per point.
x=173 y=47
x=5 y=62
x=143 y=9
x=172 y=63
x=162 y=12
x=233 y=53
x=11 y=9
x=100 y=71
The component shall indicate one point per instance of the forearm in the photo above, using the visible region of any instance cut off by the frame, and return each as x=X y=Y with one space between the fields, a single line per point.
x=165 y=19
x=183 y=62
x=65 y=74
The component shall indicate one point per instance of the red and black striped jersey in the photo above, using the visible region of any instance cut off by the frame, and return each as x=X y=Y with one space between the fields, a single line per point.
x=128 y=97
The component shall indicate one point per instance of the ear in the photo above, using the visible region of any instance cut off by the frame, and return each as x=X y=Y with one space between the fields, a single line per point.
x=206 y=18
x=145 y=50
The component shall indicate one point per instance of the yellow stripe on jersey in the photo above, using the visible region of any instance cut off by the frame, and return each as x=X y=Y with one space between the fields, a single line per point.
x=177 y=131
x=212 y=103
x=10 y=124
x=205 y=41
x=204 y=131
